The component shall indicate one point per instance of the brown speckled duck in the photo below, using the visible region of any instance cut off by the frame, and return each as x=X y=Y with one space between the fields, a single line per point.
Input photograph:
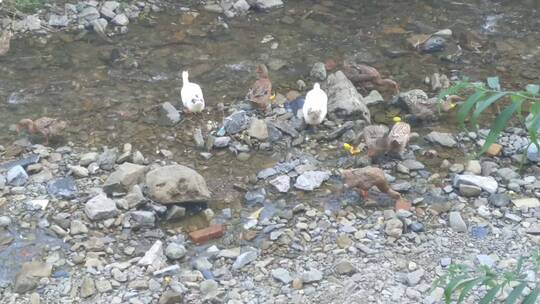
x=261 y=90
x=398 y=138
x=362 y=179
x=363 y=74
x=46 y=126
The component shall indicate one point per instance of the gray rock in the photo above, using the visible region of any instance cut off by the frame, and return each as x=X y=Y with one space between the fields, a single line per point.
x=507 y=174
x=245 y=258
x=208 y=287
x=311 y=180
x=456 y=222
x=89 y=14
x=414 y=278
x=25 y=162
x=63 y=187
x=530 y=202
x=88 y=158
x=16 y=176
x=100 y=207
x=124 y=178
x=236 y=122
x=256 y=196
x=373 y=98
x=5 y=221
x=486 y=183
x=175 y=213
x=282 y=183
x=111 y=5
x=32 y=22
x=26 y=277
x=499 y=200
x=413 y=165
x=175 y=251
x=344 y=99
x=134 y=198
x=268 y=4
x=202 y=264
x=176 y=184
x=153 y=255
x=168 y=114
x=107 y=159
x=318 y=71
x=241 y=6
x=394 y=228
x=222 y=142
x=103 y=286
x=58 y=20
x=77 y=227
x=443 y=139
x=311 y=276
x=120 y=19
x=142 y=219
x=88 y=287
x=485 y=260
x=345 y=267
x=533 y=154
x=469 y=190
x=266 y=173
x=285 y=127
x=258 y=129
x=171 y=297
x=79 y=171
x=282 y=275
x=474 y=167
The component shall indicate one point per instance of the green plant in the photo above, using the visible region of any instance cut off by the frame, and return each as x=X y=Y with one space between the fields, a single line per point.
x=459 y=281
x=484 y=97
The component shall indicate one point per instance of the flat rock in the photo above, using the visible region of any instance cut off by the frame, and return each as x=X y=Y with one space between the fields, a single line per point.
x=456 y=222
x=311 y=180
x=469 y=190
x=123 y=178
x=153 y=255
x=282 y=275
x=25 y=162
x=413 y=165
x=345 y=267
x=530 y=202
x=168 y=114
x=176 y=184
x=236 y=122
x=88 y=287
x=486 y=183
x=258 y=129
x=311 y=276
x=16 y=176
x=100 y=207
x=245 y=258
x=443 y=139
x=268 y=4
x=63 y=187
x=282 y=183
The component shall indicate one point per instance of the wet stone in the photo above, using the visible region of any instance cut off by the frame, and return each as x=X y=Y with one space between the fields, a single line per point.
x=236 y=122
x=256 y=196
x=175 y=213
x=168 y=114
x=311 y=180
x=281 y=183
x=16 y=176
x=175 y=251
x=318 y=71
x=64 y=187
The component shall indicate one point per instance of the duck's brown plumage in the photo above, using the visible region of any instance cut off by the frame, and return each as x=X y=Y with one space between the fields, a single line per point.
x=261 y=90
x=398 y=138
x=374 y=136
x=45 y=125
x=362 y=74
x=362 y=179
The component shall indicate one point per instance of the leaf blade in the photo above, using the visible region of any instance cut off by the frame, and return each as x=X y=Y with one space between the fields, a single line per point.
x=516 y=292
x=452 y=286
x=466 y=107
x=467 y=286
x=490 y=295
x=484 y=104
x=499 y=124
x=532 y=297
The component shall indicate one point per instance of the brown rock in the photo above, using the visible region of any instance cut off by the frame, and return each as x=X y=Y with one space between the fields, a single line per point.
x=494 y=150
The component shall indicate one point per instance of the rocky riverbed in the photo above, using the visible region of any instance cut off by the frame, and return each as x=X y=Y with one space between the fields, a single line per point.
x=140 y=203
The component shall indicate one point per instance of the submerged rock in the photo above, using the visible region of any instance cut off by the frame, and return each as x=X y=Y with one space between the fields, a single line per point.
x=176 y=184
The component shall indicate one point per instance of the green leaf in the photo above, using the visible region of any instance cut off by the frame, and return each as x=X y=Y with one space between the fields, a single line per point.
x=493 y=82
x=516 y=292
x=484 y=104
x=531 y=298
x=490 y=295
x=466 y=107
x=452 y=286
x=532 y=89
x=466 y=287
x=499 y=125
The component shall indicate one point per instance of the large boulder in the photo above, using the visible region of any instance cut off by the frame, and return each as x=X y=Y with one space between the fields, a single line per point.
x=176 y=184
x=343 y=98
x=125 y=176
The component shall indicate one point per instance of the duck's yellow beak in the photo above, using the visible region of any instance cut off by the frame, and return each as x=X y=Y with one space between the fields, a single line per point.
x=396 y=119
x=349 y=148
x=273 y=96
x=452 y=105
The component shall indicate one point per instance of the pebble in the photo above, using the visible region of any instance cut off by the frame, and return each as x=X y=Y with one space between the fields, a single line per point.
x=282 y=275
x=175 y=251
x=312 y=276
x=456 y=222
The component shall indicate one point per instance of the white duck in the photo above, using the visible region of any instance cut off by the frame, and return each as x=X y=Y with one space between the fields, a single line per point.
x=192 y=96
x=315 y=106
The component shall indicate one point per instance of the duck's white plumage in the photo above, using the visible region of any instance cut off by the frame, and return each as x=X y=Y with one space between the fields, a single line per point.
x=191 y=94
x=315 y=106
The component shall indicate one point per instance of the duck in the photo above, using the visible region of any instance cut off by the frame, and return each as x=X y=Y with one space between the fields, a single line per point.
x=398 y=137
x=192 y=95
x=315 y=106
x=375 y=138
x=363 y=179
x=365 y=74
x=260 y=92
x=45 y=126
x=5 y=41
x=425 y=109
